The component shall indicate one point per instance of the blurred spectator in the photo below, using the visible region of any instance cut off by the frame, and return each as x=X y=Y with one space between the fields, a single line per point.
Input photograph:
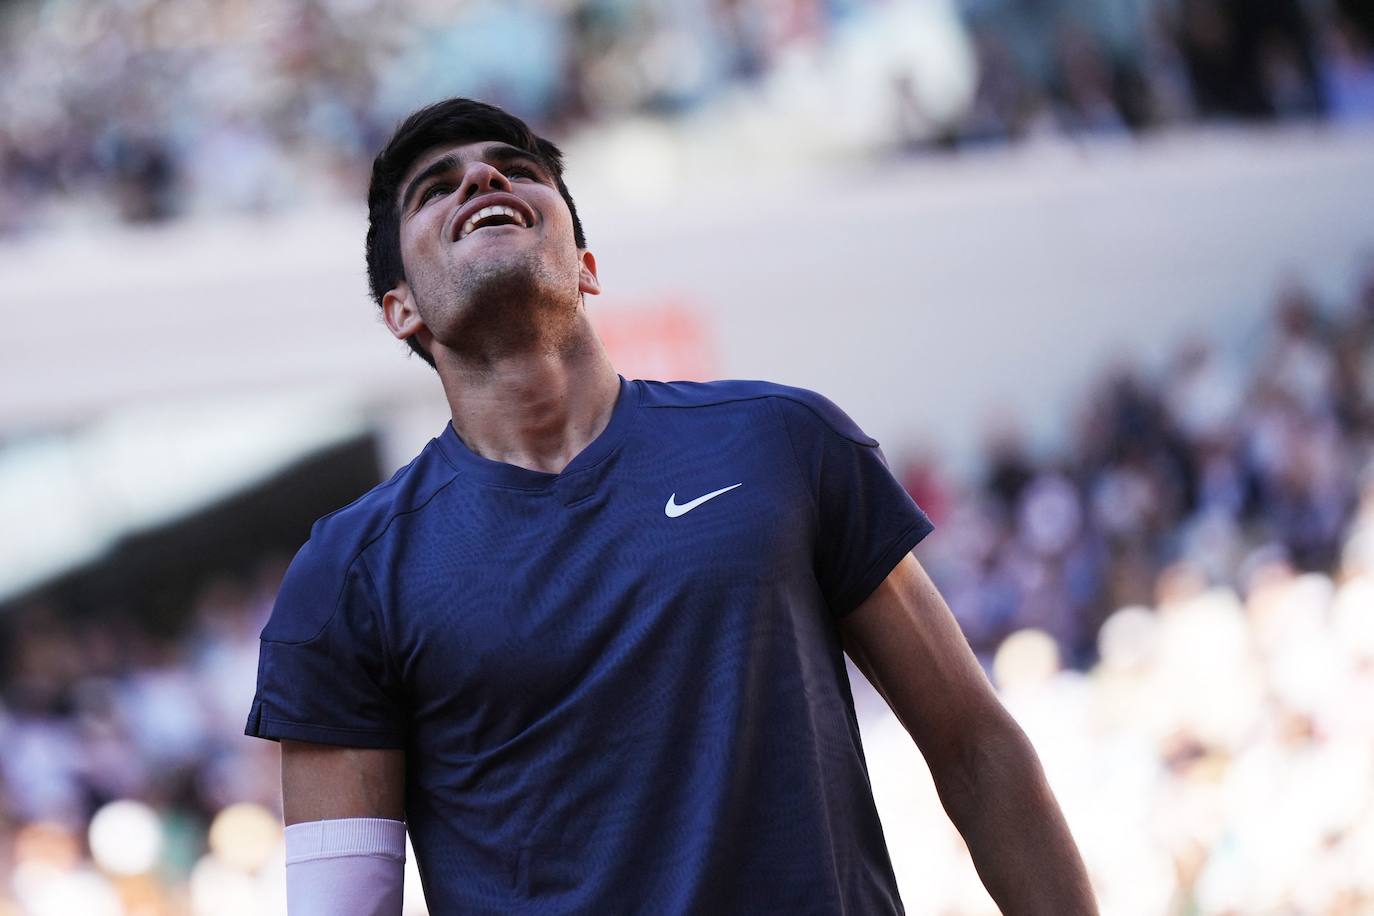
x=1209 y=464
x=1250 y=58
x=1348 y=71
x=149 y=110
x=95 y=711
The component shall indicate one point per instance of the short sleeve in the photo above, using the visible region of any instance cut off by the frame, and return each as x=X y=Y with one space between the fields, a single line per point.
x=866 y=522
x=323 y=671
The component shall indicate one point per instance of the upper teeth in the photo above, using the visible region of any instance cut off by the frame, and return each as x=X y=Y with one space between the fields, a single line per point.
x=486 y=212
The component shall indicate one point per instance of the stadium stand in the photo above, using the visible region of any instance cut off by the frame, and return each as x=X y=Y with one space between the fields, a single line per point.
x=144 y=111
x=1177 y=611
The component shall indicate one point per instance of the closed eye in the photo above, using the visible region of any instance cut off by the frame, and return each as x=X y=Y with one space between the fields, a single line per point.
x=430 y=192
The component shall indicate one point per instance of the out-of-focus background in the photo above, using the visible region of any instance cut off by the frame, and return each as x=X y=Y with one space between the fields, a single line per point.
x=1100 y=276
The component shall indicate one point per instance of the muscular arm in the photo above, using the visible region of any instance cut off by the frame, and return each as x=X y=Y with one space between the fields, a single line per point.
x=907 y=643
x=345 y=840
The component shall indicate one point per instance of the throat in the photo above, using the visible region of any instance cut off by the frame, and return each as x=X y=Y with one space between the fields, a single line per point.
x=535 y=411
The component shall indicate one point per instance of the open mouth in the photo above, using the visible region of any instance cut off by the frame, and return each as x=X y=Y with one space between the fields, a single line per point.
x=497 y=215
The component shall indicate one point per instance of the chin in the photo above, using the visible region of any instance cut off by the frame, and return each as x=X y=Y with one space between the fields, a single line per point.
x=510 y=281
x=516 y=278
x=504 y=305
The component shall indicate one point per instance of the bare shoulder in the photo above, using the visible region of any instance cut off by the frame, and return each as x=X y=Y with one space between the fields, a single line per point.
x=323 y=782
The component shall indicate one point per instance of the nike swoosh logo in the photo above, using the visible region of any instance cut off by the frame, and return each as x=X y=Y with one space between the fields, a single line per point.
x=673 y=510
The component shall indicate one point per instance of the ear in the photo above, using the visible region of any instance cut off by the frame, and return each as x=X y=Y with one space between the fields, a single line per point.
x=587 y=281
x=400 y=313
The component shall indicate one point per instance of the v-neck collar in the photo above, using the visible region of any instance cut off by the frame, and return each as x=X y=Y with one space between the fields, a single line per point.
x=499 y=473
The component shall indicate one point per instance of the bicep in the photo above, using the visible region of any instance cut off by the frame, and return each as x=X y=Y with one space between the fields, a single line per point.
x=322 y=782
x=909 y=646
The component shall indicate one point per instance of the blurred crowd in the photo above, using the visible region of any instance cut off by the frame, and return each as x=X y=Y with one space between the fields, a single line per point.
x=141 y=110
x=1226 y=457
x=126 y=784
x=1216 y=760
x=1129 y=65
x=1179 y=611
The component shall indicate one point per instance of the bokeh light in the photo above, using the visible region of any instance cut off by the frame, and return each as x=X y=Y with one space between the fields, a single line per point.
x=244 y=835
x=125 y=838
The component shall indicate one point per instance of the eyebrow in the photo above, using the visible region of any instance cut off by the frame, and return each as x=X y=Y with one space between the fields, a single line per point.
x=495 y=155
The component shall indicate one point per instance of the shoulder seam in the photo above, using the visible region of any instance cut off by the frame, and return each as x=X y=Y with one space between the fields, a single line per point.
x=812 y=500
x=764 y=396
x=348 y=567
x=717 y=402
x=391 y=519
x=395 y=479
x=388 y=656
x=828 y=425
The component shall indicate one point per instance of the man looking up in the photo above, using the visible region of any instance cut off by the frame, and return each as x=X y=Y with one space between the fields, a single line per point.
x=588 y=647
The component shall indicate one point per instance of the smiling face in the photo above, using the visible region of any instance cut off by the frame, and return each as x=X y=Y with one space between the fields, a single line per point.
x=489 y=252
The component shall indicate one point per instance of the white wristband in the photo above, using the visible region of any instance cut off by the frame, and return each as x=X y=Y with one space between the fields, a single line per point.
x=348 y=867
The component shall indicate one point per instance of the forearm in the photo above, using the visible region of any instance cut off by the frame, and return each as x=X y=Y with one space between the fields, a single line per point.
x=1021 y=846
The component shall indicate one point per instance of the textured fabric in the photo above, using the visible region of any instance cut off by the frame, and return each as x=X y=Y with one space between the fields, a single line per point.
x=348 y=867
x=614 y=697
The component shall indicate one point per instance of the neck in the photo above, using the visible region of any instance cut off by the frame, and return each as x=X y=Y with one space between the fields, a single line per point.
x=536 y=409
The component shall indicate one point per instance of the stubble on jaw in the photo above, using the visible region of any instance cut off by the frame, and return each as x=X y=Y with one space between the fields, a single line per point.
x=499 y=308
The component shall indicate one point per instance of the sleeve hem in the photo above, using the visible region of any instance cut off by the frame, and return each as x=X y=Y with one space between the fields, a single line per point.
x=277 y=729
x=886 y=562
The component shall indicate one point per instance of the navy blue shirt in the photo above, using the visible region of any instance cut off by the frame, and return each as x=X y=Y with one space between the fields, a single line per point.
x=614 y=694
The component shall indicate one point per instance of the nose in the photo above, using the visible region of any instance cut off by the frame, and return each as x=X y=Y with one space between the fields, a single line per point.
x=481 y=178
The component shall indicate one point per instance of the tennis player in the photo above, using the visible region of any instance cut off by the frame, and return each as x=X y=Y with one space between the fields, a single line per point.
x=588 y=646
